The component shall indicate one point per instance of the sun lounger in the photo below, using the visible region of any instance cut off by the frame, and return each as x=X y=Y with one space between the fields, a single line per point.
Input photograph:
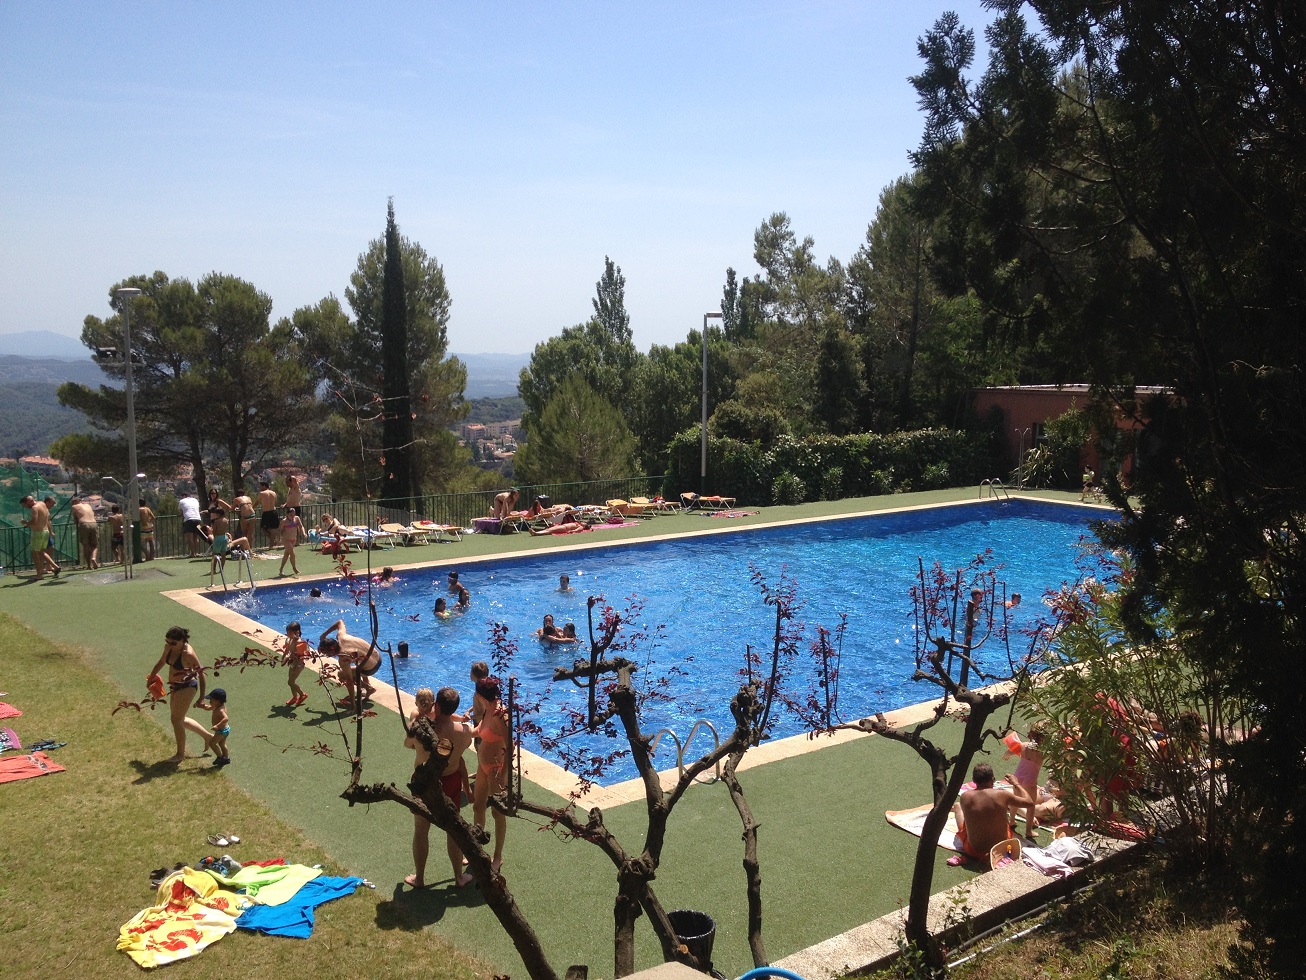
x=628 y=508
x=657 y=505
x=365 y=537
x=408 y=535
x=690 y=501
x=501 y=525
x=453 y=531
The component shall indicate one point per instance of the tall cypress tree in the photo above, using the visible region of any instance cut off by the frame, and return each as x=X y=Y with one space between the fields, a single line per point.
x=397 y=427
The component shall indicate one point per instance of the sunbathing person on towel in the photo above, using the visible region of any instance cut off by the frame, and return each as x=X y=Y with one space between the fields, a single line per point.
x=570 y=527
x=982 y=813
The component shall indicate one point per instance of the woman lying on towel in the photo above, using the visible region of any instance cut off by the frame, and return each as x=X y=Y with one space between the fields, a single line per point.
x=571 y=527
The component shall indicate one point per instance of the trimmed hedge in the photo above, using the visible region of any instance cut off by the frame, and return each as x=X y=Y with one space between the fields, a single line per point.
x=862 y=465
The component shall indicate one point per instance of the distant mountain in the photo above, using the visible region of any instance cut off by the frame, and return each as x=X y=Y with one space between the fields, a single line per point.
x=53 y=371
x=48 y=357
x=44 y=344
x=493 y=375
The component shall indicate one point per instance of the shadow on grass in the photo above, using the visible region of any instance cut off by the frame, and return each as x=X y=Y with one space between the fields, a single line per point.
x=147 y=772
x=413 y=909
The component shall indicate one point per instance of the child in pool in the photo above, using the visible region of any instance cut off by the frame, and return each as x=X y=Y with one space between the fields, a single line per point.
x=442 y=608
x=221 y=725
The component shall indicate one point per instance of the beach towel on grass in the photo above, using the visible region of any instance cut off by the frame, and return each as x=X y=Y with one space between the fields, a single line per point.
x=271 y=885
x=9 y=740
x=9 y=711
x=192 y=913
x=913 y=819
x=294 y=917
x=26 y=766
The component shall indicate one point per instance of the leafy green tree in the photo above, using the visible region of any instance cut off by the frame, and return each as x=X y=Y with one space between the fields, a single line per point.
x=600 y=350
x=891 y=304
x=1122 y=190
x=580 y=437
x=347 y=356
x=668 y=389
x=785 y=312
x=839 y=384
x=610 y=303
x=213 y=379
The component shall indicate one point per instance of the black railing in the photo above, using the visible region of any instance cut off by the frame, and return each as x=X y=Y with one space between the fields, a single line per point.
x=444 y=508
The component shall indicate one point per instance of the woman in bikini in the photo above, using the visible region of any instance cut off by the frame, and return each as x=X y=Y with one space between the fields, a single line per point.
x=492 y=756
x=185 y=680
x=244 y=505
x=332 y=533
x=291 y=528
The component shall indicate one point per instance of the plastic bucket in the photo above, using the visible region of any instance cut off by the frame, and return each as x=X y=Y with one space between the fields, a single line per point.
x=696 y=932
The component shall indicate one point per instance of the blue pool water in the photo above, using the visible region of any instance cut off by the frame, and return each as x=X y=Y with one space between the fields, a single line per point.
x=700 y=590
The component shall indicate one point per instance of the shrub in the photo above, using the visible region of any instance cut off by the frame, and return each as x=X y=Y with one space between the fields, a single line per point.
x=935 y=476
x=788 y=489
x=832 y=484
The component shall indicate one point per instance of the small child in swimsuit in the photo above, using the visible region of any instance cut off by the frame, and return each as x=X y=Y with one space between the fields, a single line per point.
x=1026 y=774
x=221 y=725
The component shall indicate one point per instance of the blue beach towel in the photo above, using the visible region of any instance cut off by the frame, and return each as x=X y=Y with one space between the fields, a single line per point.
x=294 y=917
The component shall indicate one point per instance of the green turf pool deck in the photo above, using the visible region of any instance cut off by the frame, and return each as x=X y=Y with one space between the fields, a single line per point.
x=830 y=861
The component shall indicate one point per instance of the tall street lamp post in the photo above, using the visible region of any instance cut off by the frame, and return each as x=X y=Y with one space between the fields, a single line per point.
x=702 y=470
x=126 y=294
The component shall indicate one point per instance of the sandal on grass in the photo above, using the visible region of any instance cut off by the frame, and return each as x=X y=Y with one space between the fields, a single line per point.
x=219 y=840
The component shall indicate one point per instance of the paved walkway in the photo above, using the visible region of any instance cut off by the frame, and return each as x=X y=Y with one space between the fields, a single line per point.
x=831 y=862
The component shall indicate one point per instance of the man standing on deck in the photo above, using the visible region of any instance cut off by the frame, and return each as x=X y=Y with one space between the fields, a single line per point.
x=39 y=525
x=269 y=519
x=88 y=532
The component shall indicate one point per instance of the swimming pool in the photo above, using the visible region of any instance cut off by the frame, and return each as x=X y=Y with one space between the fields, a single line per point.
x=700 y=589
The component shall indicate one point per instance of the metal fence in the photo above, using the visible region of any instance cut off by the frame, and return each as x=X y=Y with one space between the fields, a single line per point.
x=444 y=508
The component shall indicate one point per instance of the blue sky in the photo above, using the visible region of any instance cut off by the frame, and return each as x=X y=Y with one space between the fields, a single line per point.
x=521 y=144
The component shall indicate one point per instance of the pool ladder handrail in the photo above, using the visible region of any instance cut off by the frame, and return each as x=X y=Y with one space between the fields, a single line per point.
x=994 y=486
x=680 y=747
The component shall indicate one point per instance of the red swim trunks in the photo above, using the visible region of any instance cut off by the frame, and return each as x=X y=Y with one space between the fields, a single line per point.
x=451 y=785
x=971 y=852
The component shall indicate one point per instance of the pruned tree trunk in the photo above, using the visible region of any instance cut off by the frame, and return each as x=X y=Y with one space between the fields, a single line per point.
x=436 y=808
x=752 y=866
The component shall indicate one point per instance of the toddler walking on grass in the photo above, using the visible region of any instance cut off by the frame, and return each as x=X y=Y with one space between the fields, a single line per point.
x=221 y=725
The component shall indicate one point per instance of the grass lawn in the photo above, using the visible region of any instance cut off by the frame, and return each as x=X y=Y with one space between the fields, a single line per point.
x=76 y=847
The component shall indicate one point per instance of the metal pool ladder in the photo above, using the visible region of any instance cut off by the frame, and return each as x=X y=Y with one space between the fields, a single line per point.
x=681 y=747
x=995 y=487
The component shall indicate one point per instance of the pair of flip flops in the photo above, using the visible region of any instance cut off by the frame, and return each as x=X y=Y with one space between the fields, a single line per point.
x=223 y=840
